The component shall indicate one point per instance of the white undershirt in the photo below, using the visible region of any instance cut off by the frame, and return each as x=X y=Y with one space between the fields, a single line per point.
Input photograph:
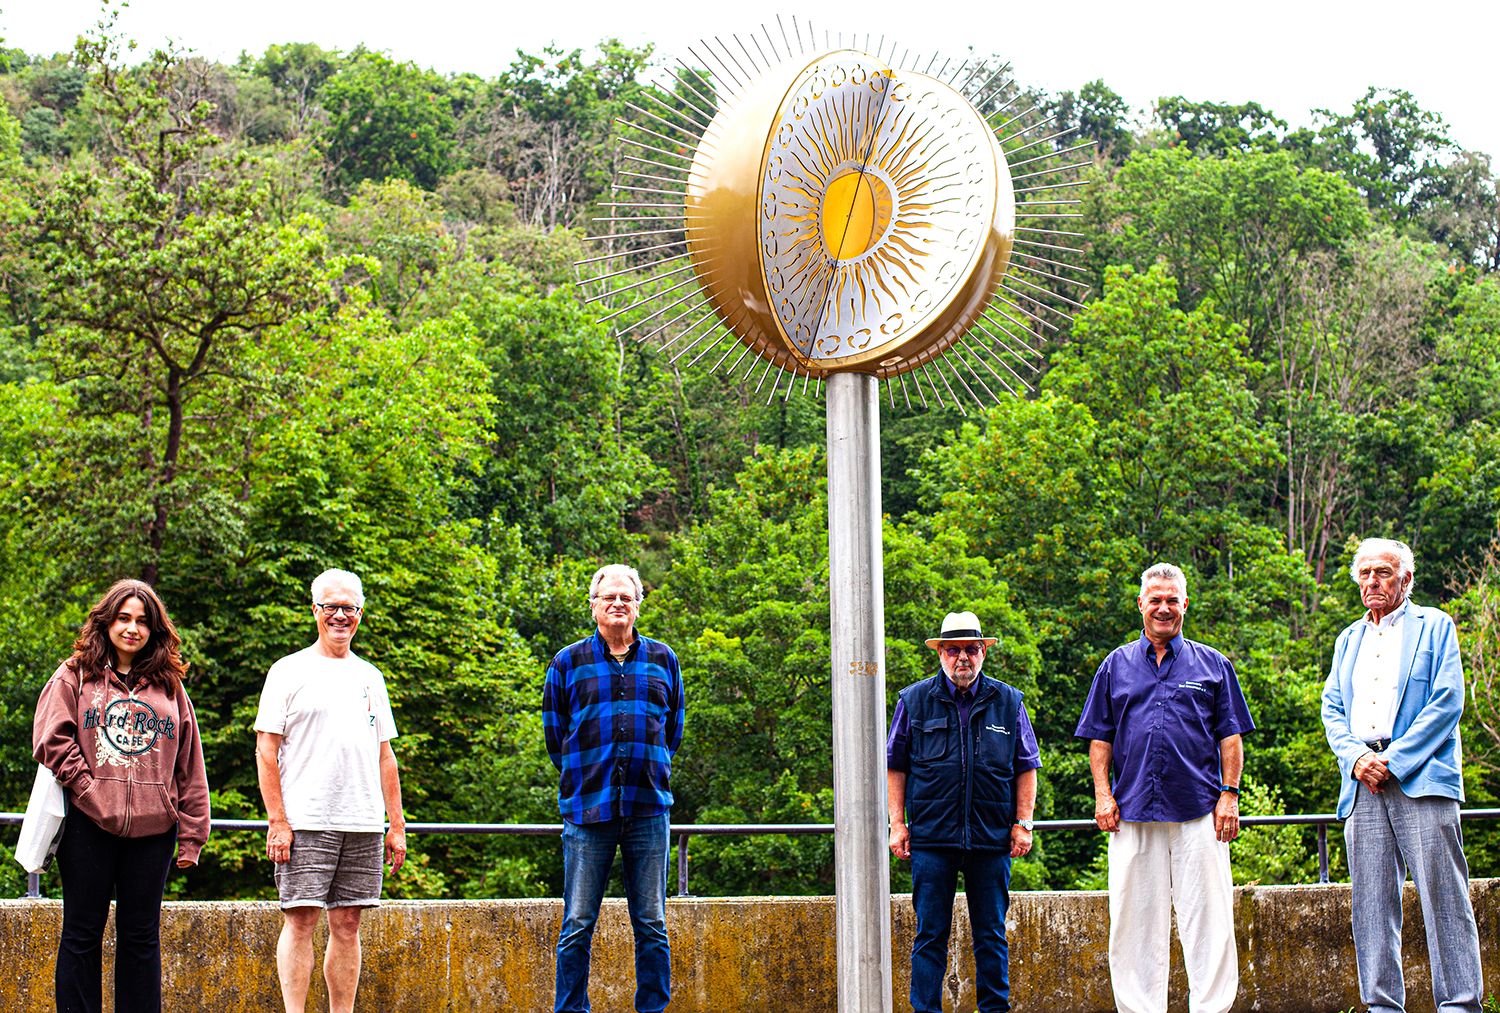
x=1377 y=674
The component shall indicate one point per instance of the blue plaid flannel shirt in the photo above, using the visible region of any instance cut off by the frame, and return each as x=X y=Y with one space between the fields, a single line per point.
x=612 y=729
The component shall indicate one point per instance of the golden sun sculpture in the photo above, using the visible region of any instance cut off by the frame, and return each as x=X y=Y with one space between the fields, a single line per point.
x=834 y=212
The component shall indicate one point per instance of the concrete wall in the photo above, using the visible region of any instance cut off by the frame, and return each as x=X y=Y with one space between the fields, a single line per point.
x=731 y=955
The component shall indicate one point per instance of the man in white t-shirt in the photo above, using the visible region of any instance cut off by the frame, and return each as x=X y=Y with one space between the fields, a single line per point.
x=329 y=780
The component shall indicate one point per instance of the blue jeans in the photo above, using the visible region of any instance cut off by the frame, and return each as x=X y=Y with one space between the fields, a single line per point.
x=934 y=879
x=588 y=854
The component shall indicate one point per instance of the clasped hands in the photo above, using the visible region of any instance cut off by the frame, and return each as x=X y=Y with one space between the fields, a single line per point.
x=1372 y=771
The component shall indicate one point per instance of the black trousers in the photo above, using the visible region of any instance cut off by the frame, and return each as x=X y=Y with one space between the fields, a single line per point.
x=96 y=865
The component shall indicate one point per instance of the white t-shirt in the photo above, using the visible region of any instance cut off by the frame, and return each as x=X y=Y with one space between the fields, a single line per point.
x=332 y=715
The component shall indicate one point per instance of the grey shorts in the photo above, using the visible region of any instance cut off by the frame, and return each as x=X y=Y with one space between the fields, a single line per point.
x=332 y=868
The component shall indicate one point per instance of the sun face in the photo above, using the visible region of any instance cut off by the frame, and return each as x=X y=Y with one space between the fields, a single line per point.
x=883 y=209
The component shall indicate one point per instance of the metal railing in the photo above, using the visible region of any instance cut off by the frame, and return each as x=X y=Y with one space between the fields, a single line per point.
x=682 y=831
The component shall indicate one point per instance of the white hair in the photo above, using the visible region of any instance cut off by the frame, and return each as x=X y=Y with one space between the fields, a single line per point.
x=1383 y=547
x=1163 y=571
x=330 y=579
x=617 y=570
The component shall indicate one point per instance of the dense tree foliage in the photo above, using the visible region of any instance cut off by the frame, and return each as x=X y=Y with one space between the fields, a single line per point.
x=318 y=308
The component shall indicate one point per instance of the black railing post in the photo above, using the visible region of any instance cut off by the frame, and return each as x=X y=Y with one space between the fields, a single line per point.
x=682 y=866
x=1322 y=852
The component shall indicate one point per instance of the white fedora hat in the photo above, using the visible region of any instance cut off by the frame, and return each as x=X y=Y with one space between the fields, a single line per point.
x=961 y=626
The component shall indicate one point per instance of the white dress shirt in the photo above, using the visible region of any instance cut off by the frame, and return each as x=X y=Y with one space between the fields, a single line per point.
x=1377 y=673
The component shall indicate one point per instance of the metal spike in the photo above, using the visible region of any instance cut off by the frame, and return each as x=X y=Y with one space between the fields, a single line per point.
x=1048 y=172
x=729 y=74
x=715 y=367
x=1043 y=260
x=996 y=375
x=693 y=71
x=691 y=309
x=689 y=329
x=1015 y=117
x=1040 y=140
x=660 y=165
x=770 y=361
x=890 y=390
x=642 y=302
x=1052 y=186
x=1051 y=232
x=632 y=174
x=1025 y=312
x=664 y=121
x=806 y=379
x=626 y=235
x=904 y=395
x=960 y=378
x=666 y=193
x=935 y=393
x=795 y=31
x=737 y=65
x=630 y=270
x=692 y=344
x=1066 y=281
x=717 y=342
x=639 y=220
x=1052 y=154
x=1015 y=337
x=818 y=390
x=779 y=373
x=659 y=151
x=762 y=52
x=690 y=120
x=1048 y=246
x=627 y=253
x=1055 y=295
x=670 y=140
x=928 y=69
x=737 y=42
x=772 y=42
x=644 y=281
x=939 y=371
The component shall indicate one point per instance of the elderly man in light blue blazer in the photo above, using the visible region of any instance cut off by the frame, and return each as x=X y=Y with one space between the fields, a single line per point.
x=1390 y=709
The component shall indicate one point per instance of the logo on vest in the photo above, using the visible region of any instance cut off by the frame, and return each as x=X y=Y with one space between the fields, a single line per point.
x=997 y=728
x=1193 y=685
x=131 y=727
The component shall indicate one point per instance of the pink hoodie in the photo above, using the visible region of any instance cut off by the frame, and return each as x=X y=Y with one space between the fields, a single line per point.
x=131 y=760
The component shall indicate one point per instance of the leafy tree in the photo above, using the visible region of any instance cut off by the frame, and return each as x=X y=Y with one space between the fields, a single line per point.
x=1217 y=128
x=298 y=70
x=157 y=384
x=387 y=120
x=1386 y=145
x=1098 y=113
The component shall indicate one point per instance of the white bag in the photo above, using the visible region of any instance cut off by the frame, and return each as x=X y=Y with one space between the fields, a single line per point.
x=42 y=828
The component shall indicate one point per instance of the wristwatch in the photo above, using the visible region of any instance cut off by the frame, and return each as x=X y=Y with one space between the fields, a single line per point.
x=1024 y=824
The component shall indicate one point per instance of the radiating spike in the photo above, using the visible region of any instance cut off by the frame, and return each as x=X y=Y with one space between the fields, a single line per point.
x=689 y=329
x=691 y=121
x=647 y=204
x=657 y=330
x=956 y=73
x=687 y=134
x=1043 y=260
x=748 y=57
x=1015 y=117
x=628 y=235
x=982 y=320
x=935 y=393
x=904 y=54
x=772 y=42
x=960 y=378
x=1038 y=125
x=737 y=65
x=806 y=379
x=770 y=361
x=1052 y=186
x=1055 y=295
x=717 y=342
x=1039 y=203
x=1024 y=344
x=1051 y=232
x=880 y=47
x=627 y=253
x=670 y=140
x=890 y=390
x=711 y=89
x=632 y=174
x=987 y=93
x=652 y=147
x=655 y=295
x=904 y=395
x=1048 y=172
x=1023 y=310
x=779 y=373
x=1049 y=246
x=984 y=91
x=712 y=326
x=660 y=165
x=983 y=362
x=1053 y=154
x=670 y=193
x=1001 y=358
x=928 y=69
x=1052 y=214
x=797 y=31
x=630 y=270
x=1045 y=274
x=639 y=220
x=728 y=74
x=946 y=386
x=1041 y=140
x=818 y=390
x=762 y=52
x=644 y=281
x=1018 y=96
x=715 y=367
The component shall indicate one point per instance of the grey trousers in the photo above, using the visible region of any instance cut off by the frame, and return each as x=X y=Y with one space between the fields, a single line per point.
x=1388 y=833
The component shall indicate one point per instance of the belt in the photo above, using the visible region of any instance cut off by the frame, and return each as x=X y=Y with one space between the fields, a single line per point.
x=1379 y=745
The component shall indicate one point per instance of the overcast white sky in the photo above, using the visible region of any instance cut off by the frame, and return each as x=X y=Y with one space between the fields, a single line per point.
x=1289 y=55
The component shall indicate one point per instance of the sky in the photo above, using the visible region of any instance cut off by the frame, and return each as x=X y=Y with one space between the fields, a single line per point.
x=1289 y=56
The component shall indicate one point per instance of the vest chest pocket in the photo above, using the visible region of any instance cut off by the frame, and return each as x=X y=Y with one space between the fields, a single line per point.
x=929 y=739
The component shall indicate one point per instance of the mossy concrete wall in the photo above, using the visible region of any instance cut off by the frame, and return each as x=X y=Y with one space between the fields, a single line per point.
x=729 y=955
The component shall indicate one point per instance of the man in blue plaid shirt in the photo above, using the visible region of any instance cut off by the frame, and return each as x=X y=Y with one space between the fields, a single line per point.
x=612 y=707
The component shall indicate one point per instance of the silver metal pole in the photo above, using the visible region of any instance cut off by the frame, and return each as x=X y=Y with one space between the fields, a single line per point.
x=856 y=590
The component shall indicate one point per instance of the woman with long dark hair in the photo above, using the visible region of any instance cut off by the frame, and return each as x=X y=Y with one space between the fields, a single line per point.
x=116 y=727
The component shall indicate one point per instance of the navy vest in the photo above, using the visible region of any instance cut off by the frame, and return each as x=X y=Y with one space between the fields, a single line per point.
x=960 y=792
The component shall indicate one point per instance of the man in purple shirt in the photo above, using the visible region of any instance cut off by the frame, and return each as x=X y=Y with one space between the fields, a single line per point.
x=961 y=764
x=1165 y=715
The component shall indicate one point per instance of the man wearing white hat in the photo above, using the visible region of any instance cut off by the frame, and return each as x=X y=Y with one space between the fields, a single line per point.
x=961 y=763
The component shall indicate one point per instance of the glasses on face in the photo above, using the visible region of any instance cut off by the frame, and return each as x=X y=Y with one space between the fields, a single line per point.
x=348 y=610
x=972 y=650
x=615 y=599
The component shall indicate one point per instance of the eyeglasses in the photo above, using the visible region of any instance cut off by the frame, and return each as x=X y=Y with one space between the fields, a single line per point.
x=972 y=650
x=348 y=610
x=613 y=599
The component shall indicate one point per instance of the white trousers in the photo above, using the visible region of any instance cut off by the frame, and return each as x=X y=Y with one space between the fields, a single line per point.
x=1154 y=868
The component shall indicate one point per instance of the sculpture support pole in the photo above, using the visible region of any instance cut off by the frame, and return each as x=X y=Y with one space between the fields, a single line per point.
x=856 y=591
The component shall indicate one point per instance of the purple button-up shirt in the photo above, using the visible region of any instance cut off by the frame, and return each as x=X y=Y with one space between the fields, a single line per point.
x=898 y=742
x=1165 y=724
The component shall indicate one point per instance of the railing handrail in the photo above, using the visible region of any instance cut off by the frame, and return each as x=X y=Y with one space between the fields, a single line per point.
x=682 y=831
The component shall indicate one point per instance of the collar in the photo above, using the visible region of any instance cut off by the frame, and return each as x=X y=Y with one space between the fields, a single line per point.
x=956 y=693
x=603 y=646
x=1390 y=619
x=1174 y=646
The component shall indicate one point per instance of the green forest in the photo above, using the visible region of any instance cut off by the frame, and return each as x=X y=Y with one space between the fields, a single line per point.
x=317 y=308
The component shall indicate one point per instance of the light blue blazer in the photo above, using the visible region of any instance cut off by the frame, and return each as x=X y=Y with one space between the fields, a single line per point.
x=1425 y=754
